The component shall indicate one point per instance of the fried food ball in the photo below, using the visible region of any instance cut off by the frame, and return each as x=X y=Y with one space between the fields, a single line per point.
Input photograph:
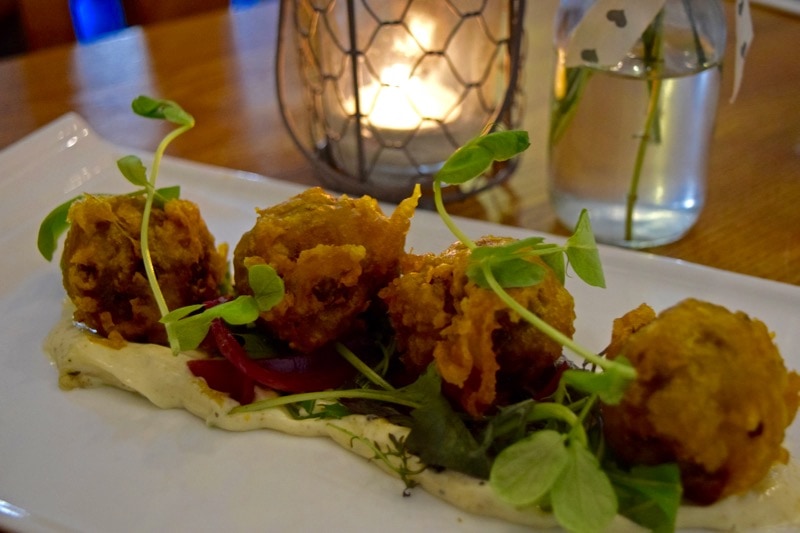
x=103 y=271
x=333 y=255
x=712 y=394
x=483 y=351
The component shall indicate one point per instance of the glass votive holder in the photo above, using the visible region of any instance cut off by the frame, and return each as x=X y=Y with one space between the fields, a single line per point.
x=378 y=94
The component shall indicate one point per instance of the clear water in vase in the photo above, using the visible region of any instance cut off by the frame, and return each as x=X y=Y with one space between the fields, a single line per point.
x=592 y=159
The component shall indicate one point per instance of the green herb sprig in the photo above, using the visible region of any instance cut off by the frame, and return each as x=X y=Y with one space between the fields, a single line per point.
x=548 y=465
x=508 y=266
x=189 y=325
x=132 y=168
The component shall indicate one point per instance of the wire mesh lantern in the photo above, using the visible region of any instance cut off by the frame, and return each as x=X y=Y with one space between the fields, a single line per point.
x=391 y=88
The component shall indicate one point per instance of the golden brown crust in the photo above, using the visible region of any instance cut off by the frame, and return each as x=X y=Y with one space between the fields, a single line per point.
x=333 y=254
x=103 y=271
x=712 y=393
x=476 y=341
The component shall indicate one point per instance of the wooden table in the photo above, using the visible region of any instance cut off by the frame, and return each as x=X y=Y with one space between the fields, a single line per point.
x=220 y=67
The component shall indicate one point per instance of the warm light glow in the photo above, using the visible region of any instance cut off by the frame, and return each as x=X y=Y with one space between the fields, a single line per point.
x=403 y=106
x=422 y=31
x=396 y=75
x=402 y=101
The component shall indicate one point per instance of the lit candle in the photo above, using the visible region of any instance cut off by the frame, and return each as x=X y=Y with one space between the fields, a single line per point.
x=402 y=102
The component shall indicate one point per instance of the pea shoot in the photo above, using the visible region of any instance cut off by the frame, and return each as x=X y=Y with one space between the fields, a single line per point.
x=132 y=168
x=549 y=465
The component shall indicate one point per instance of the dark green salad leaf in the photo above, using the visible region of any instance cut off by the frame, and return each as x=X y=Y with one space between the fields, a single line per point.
x=649 y=495
x=438 y=435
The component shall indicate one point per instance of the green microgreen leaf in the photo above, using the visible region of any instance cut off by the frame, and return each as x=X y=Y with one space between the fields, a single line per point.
x=507 y=264
x=172 y=192
x=583 y=255
x=56 y=223
x=477 y=155
x=555 y=260
x=52 y=227
x=582 y=497
x=168 y=110
x=649 y=495
x=133 y=170
x=181 y=313
x=165 y=194
x=189 y=325
x=267 y=286
x=609 y=385
x=526 y=471
x=190 y=330
x=188 y=333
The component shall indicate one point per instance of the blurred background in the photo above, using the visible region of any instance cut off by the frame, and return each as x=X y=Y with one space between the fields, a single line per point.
x=28 y=25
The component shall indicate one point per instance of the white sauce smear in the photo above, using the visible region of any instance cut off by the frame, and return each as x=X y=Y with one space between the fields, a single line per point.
x=164 y=379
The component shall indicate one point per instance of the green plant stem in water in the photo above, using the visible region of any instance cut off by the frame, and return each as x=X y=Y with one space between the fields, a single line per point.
x=653 y=45
x=644 y=140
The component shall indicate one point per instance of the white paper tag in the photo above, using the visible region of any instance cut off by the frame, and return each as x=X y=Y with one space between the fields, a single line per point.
x=607 y=31
x=602 y=31
x=744 y=38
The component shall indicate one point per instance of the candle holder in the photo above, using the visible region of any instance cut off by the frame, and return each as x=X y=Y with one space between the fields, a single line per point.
x=391 y=89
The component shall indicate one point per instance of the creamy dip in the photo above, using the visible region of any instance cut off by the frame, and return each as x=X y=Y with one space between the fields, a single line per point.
x=84 y=360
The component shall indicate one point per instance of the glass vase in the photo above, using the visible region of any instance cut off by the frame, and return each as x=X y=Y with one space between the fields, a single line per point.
x=630 y=141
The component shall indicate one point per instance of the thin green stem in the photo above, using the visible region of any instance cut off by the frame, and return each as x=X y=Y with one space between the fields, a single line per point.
x=698 y=44
x=654 y=60
x=556 y=411
x=641 y=152
x=362 y=367
x=552 y=332
x=145 y=238
x=448 y=221
x=367 y=394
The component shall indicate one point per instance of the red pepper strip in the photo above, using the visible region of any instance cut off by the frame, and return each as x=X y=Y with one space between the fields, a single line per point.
x=298 y=373
x=222 y=376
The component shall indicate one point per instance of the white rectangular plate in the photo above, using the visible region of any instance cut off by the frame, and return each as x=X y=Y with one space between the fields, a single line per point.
x=106 y=460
